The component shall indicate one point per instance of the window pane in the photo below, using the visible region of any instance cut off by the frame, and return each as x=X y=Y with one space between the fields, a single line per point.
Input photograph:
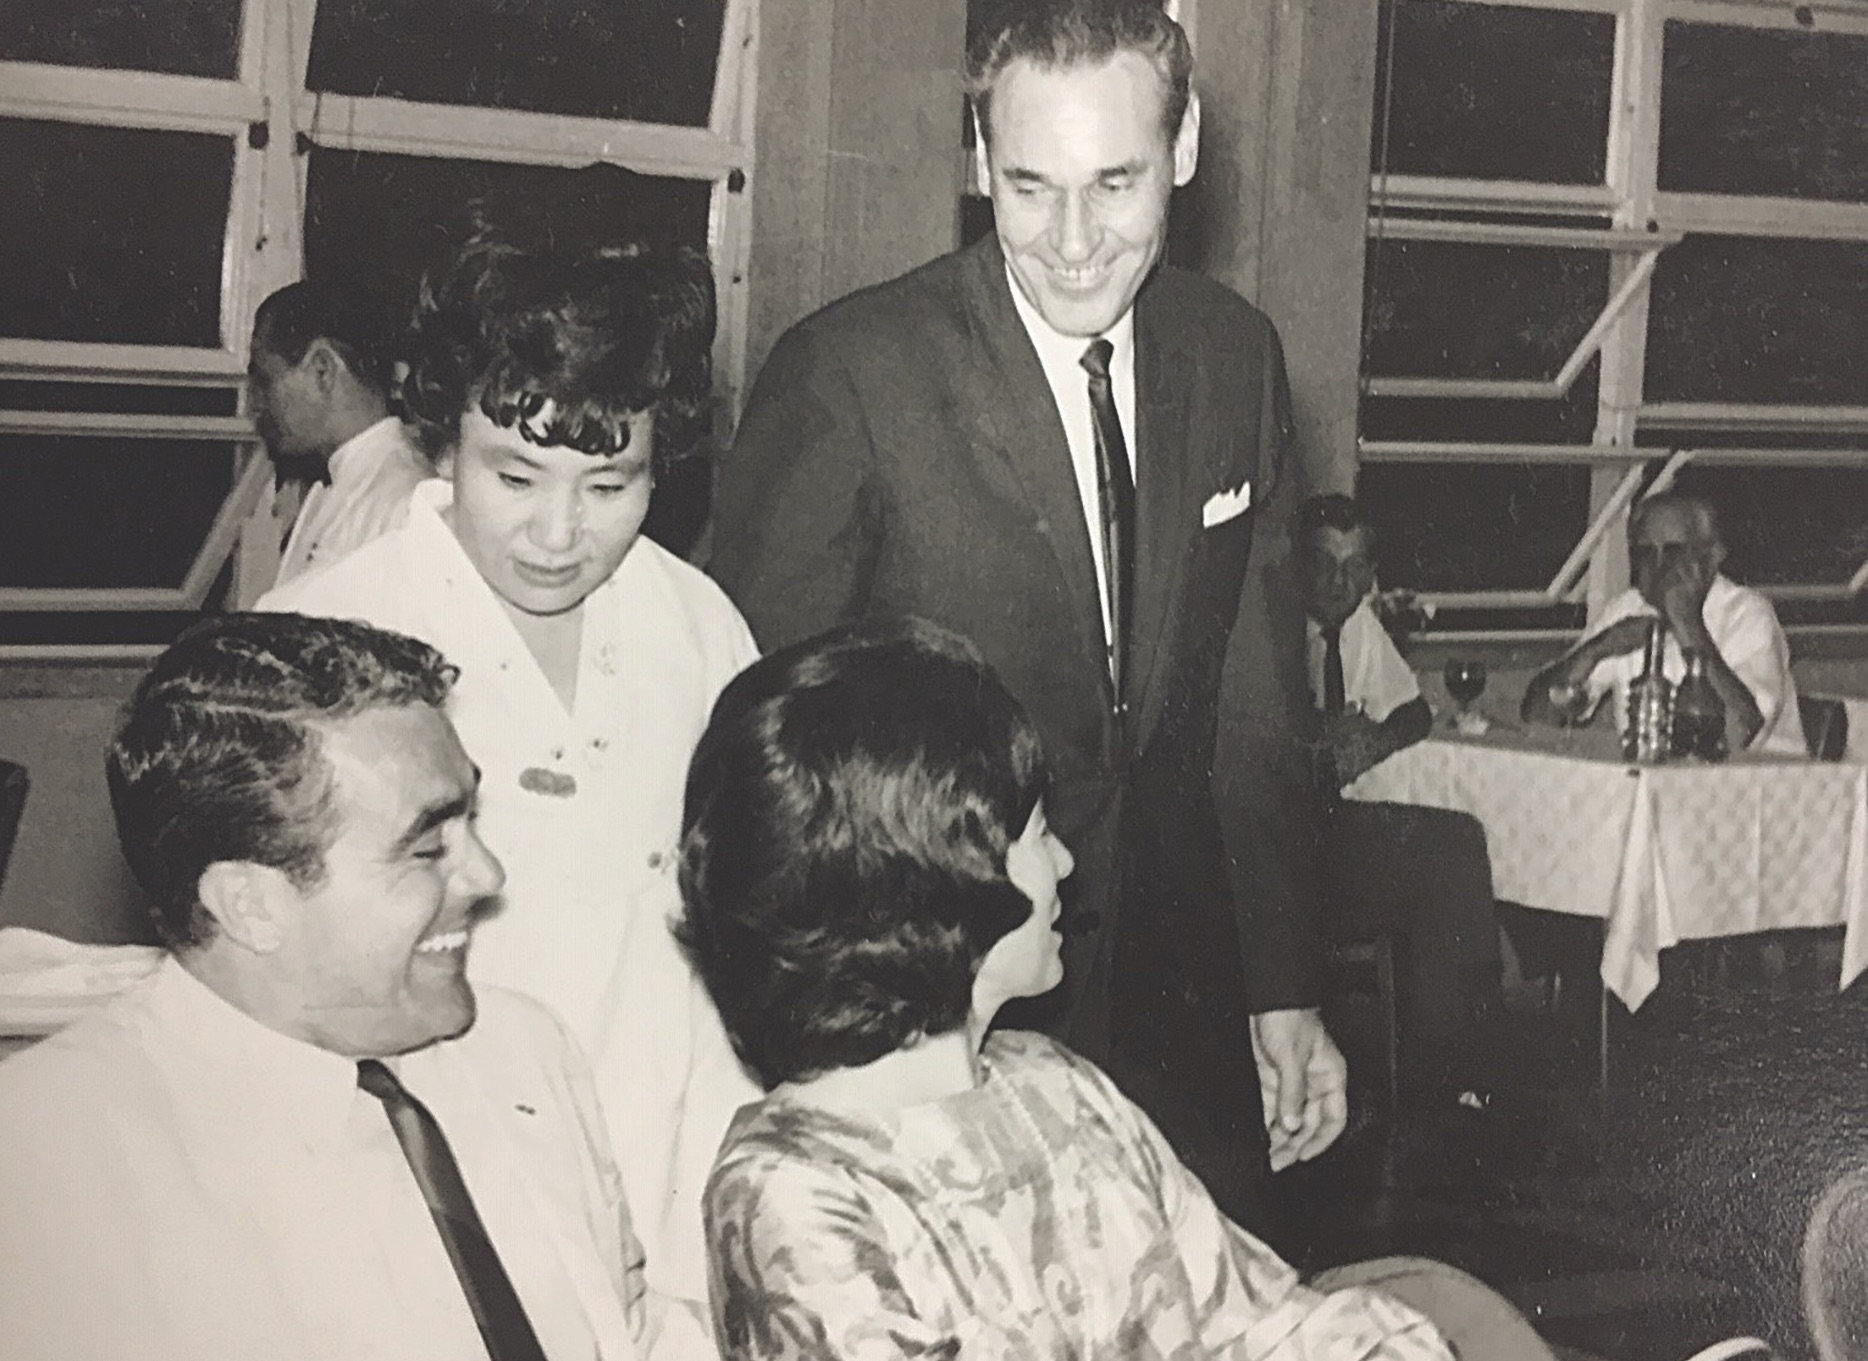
x=112 y=234
x=1740 y=319
x=385 y=217
x=1491 y=92
x=650 y=60
x=1747 y=111
x=1446 y=310
x=78 y=511
x=1460 y=527
x=181 y=37
x=1784 y=525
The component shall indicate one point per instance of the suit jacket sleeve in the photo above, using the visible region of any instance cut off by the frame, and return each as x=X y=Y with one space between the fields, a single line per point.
x=797 y=516
x=1262 y=786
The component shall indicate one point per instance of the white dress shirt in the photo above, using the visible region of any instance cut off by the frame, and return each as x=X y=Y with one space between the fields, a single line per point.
x=1062 y=359
x=1744 y=628
x=1376 y=677
x=181 y=1183
x=584 y=810
x=372 y=474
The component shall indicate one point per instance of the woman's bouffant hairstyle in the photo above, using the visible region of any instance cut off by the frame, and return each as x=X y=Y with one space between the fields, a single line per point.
x=563 y=342
x=842 y=863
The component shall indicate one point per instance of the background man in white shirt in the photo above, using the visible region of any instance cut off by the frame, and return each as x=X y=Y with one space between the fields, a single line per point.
x=220 y=1163
x=1421 y=873
x=1675 y=551
x=319 y=380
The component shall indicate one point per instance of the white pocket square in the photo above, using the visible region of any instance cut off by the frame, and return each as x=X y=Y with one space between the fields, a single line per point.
x=1222 y=506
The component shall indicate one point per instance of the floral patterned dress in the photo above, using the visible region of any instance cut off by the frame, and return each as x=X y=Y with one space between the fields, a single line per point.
x=1039 y=1215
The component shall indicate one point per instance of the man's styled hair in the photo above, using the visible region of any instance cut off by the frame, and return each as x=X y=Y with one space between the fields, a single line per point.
x=564 y=342
x=293 y=317
x=1059 y=34
x=848 y=814
x=218 y=755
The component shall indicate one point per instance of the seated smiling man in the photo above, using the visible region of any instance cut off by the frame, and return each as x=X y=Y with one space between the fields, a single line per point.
x=306 y=1135
x=1675 y=551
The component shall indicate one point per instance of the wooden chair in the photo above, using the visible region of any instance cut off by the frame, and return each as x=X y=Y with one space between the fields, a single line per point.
x=1825 y=726
x=1835 y=1269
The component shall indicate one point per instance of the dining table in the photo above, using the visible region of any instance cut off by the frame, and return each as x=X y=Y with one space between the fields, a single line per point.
x=1659 y=854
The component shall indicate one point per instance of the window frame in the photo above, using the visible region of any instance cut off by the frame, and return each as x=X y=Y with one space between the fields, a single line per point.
x=274 y=121
x=1637 y=222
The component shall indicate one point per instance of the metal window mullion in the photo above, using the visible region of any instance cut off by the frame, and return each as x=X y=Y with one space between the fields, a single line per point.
x=1633 y=153
x=112 y=424
x=81 y=359
x=126 y=99
x=1828 y=16
x=1442 y=193
x=730 y=210
x=1746 y=417
x=448 y=131
x=1744 y=215
x=1493 y=451
x=91 y=599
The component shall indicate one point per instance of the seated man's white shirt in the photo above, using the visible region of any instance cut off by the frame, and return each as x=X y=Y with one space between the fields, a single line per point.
x=584 y=811
x=372 y=475
x=181 y=1183
x=1744 y=628
x=1376 y=677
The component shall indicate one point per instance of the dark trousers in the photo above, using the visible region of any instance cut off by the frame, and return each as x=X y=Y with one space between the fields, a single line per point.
x=1423 y=875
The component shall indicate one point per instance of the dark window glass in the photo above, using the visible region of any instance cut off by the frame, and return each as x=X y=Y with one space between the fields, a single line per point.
x=1493 y=92
x=1439 y=309
x=1744 y=319
x=112 y=234
x=385 y=218
x=1774 y=113
x=650 y=60
x=1464 y=527
x=180 y=37
x=77 y=511
x=32 y=394
x=1783 y=525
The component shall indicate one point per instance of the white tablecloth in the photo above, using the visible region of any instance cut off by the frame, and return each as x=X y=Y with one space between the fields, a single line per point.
x=1661 y=853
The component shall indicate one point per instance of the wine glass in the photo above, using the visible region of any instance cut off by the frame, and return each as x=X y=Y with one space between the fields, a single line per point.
x=1465 y=682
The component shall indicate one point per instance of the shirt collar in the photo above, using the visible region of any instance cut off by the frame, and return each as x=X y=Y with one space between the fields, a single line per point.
x=1064 y=354
x=355 y=448
x=240 y=1075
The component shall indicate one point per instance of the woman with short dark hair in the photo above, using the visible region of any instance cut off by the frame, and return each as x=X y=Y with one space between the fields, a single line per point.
x=868 y=876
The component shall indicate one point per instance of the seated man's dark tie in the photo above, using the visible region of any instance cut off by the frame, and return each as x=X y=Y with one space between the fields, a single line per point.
x=504 y=1327
x=1116 y=494
x=1335 y=693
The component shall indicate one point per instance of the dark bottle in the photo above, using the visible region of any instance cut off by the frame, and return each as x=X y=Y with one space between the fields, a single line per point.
x=1650 y=705
x=1698 y=714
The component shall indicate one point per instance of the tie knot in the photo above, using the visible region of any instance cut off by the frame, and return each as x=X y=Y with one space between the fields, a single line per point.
x=1096 y=359
x=376 y=1079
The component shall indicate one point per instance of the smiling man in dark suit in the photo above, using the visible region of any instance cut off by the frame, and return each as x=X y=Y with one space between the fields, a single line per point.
x=1060 y=447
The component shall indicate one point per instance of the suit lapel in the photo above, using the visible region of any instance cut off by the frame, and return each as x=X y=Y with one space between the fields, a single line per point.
x=1015 y=418
x=1167 y=485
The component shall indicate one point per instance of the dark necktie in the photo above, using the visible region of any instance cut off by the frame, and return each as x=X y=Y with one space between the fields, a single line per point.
x=1116 y=495
x=504 y=1327
x=1335 y=695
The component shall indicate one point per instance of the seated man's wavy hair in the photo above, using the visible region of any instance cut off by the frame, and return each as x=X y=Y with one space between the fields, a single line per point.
x=219 y=753
x=563 y=343
x=843 y=859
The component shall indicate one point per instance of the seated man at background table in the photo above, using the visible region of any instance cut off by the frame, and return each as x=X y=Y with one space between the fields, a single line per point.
x=1420 y=873
x=1675 y=550
x=305 y=1134
x=319 y=381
